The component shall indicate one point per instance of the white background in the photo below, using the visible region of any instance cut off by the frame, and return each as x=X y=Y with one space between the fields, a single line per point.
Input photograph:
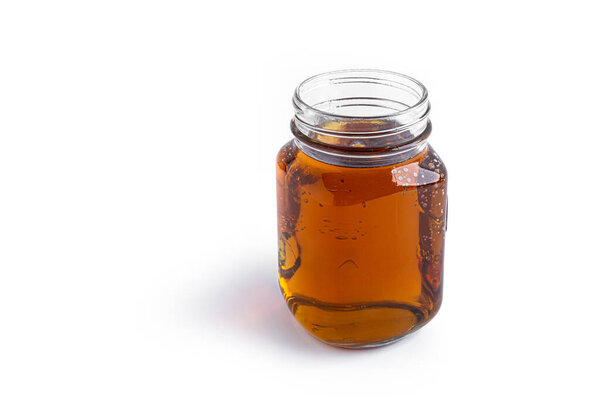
x=137 y=197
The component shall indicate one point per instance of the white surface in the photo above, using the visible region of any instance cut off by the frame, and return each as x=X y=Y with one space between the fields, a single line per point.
x=137 y=197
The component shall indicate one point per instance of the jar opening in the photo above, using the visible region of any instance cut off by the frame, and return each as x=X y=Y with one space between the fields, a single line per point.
x=360 y=94
x=361 y=111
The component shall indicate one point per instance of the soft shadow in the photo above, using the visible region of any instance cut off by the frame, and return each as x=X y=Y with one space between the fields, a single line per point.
x=248 y=303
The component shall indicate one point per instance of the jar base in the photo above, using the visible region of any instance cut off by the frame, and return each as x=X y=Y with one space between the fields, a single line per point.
x=371 y=345
x=366 y=346
x=359 y=325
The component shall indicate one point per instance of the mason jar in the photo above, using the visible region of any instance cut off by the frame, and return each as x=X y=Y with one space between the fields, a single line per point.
x=362 y=208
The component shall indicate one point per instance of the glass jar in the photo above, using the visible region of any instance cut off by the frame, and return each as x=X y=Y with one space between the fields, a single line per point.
x=362 y=205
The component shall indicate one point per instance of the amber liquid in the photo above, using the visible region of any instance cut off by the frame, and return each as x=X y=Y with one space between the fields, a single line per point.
x=361 y=249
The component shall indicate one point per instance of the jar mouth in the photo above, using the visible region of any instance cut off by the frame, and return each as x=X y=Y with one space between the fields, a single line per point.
x=361 y=110
x=361 y=94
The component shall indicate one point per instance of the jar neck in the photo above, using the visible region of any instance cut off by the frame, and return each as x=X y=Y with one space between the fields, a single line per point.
x=361 y=117
x=358 y=157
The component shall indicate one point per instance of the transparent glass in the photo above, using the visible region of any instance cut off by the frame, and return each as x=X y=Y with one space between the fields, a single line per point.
x=362 y=207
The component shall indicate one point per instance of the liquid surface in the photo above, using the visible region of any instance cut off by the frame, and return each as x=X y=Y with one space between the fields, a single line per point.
x=361 y=249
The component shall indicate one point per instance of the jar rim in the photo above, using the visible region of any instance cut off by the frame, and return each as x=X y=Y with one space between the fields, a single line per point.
x=361 y=110
x=362 y=73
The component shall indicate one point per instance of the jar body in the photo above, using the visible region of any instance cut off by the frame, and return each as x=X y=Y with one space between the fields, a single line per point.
x=361 y=249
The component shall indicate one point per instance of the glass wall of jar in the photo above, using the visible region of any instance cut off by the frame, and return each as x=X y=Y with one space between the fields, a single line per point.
x=362 y=205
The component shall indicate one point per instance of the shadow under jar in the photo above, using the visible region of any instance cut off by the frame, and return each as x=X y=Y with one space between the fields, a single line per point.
x=362 y=205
